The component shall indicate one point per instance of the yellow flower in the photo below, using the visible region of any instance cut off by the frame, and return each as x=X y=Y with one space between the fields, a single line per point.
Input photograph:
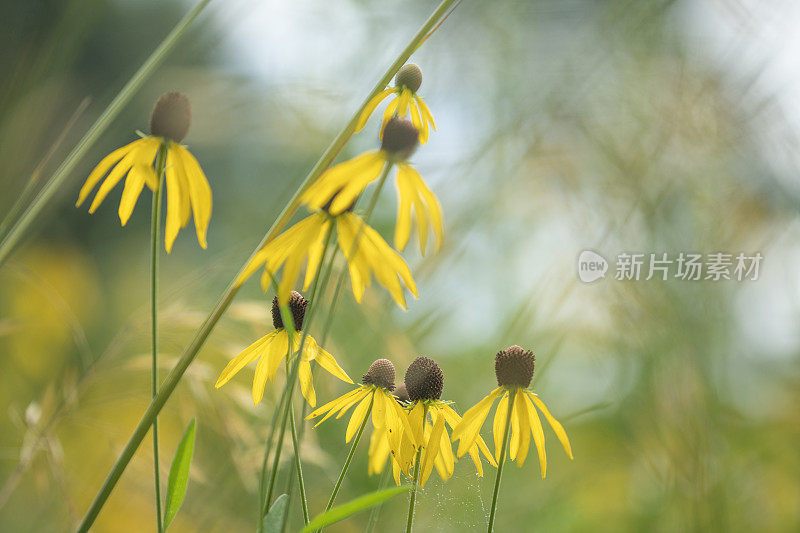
x=407 y=83
x=514 y=368
x=306 y=239
x=340 y=185
x=424 y=381
x=273 y=347
x=375 y=397
x=187 y=186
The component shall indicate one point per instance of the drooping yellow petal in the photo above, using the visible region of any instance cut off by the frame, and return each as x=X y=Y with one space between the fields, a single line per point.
x=358 y=416
x=419 y=122
x=102 y=167
x=331 y=405
x=525 y=430
x=315 y=251
x=378 y=451
x=357 y=182
x=499 y=425
x=426 y=113
x=307 y=382
x=134 y=184
x=404 y=100
x=337 y=177
x=199 y=191
x=416 y=419
x=272 y=354
x=370 y=107
x=327 y=361
x=513 y=445
x=468 y=429
x=247 y=356
x=413 y=192
x=557 y=427
x=341 y=404
x=175 y=199
x=431 y=450
x=378 y=409
x=115 y=175
x=388 y=114
x=536 y=429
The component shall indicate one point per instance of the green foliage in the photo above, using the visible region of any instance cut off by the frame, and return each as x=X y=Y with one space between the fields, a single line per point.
x=179 y=474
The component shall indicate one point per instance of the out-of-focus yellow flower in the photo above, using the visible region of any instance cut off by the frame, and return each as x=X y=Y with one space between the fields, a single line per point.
x=407 y=101
x=273 y=347
x=340 y=185
x=373 y=397
x=424 y=382
x=363 y=247
x=514 y=369
x=187 y=187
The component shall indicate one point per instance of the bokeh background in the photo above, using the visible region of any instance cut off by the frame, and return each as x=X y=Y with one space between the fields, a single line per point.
x=614 y=125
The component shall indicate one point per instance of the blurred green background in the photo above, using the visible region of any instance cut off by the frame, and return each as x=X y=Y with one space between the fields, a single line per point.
x=613 y=125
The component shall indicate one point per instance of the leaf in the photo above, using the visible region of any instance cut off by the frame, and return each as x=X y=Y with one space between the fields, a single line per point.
x=273 y=520
x=179 y=474
x=341 y=512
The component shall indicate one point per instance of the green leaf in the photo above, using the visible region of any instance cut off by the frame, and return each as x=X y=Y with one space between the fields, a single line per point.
x=179 y=474
x=273 y=520
x=341 y=512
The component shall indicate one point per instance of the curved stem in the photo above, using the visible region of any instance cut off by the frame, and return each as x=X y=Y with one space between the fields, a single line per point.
x=350 y=455
x=199 y=339
x=502 y=461
x=155 y=233
x=267 y=451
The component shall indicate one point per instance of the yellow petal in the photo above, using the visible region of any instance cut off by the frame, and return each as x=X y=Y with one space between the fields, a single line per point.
x=378 y=452
x=331 y=405
x=358 y=181
x=536 y=428
x=431 y=450
x=499 y=425
x=557 y=427
x=263 y=370
x=114 y=176
x=247 y=356
x=378 y=409
x=426 y=113
x=307 y=383
x=388 y=114
x=513 y=445
x=416 y=419
x=134 y=184
x=468 y=429
x=174 y=200
x=335 y=178
x=102 y=167
x=327 y=361
x=342 y=404
x=370 y=107
x=525 y=430
x=358 y=416
x=199 y=192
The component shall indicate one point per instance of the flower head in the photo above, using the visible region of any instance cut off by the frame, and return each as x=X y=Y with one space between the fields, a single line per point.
x=366 y=252
x=514 y=370
x=407 y=101
x=339 y=187
x=373 y=397
x=424 y=382
x=273 y=347
x=188 y=191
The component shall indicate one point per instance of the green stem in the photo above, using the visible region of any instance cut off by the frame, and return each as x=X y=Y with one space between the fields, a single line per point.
x=191 y=351
x=97 y=129
x=413 y=499
x=300 y=484
x=155 y=233
x=500 y=463
x=267 y=451
x=349 y=459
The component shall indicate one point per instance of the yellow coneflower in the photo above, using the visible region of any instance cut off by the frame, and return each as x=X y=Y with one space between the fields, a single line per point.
x=373 y=397
x=379 y=449
x=340 y=185
x=273 y=347
x=187 y=186
x=407 y=101
x=363 y=247
x=514 y=369
x=424 y=382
